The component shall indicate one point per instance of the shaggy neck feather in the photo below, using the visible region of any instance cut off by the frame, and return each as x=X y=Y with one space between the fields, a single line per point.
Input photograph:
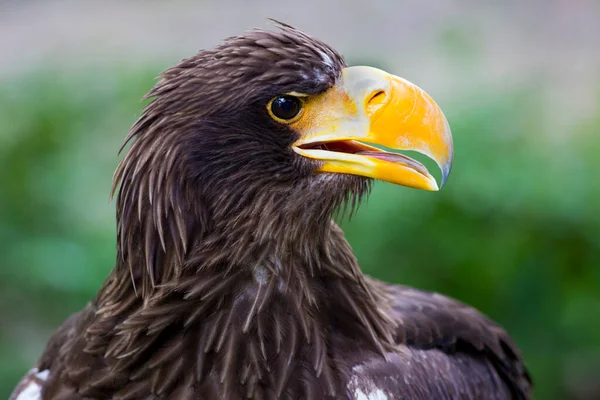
x=247 y=326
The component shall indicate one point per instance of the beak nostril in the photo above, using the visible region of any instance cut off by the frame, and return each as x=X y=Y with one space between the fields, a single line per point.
x=375 y=101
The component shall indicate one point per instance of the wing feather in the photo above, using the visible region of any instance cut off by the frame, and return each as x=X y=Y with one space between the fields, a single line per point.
x=447 y=350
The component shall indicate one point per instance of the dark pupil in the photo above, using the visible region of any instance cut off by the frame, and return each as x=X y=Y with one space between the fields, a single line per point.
x=285 y=107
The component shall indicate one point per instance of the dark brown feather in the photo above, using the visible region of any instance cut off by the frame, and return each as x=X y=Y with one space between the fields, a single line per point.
x=231 y=279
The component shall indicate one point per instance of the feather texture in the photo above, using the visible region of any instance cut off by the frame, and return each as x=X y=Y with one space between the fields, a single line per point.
x=232 y=281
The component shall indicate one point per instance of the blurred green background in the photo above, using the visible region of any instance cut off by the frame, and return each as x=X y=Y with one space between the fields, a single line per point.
x=515 y=233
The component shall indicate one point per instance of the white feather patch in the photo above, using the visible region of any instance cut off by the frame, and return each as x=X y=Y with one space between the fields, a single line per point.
x=326 y=59
x=362 y=388
x=30 y=387
x=32 y=391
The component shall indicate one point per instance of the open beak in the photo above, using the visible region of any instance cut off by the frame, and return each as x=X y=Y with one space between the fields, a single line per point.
x=371 y=106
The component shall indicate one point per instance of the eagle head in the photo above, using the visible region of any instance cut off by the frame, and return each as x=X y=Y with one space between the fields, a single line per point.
x=257 y=142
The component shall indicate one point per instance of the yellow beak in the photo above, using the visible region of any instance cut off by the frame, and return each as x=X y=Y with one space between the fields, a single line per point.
x=372 y=106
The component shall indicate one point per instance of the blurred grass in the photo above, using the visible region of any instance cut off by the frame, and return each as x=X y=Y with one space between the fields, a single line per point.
x=515 y=233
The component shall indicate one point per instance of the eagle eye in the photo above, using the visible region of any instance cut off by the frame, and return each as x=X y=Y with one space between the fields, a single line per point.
x=285 y=108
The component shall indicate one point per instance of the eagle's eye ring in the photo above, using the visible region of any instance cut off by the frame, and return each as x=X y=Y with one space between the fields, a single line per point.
x=285 y=108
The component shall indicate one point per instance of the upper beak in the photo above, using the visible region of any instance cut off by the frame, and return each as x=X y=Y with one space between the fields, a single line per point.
x=372 y=106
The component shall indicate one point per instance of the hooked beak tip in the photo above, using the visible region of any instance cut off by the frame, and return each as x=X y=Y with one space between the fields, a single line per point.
x=445 y=173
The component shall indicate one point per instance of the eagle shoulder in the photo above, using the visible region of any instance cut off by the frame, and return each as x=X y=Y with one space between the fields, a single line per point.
x=453 y=347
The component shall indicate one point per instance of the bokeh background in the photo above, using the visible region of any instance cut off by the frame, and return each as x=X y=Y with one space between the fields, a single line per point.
x=516 y=232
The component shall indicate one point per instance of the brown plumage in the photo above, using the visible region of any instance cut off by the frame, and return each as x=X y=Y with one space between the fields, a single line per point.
x=231 y=279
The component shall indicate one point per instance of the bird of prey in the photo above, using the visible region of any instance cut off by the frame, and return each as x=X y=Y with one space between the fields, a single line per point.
x=231 y=279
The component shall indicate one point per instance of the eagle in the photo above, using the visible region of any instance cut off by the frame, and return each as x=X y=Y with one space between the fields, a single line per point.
x=232 y=280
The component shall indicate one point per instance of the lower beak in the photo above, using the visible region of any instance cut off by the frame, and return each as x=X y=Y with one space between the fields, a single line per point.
x=371 y=106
